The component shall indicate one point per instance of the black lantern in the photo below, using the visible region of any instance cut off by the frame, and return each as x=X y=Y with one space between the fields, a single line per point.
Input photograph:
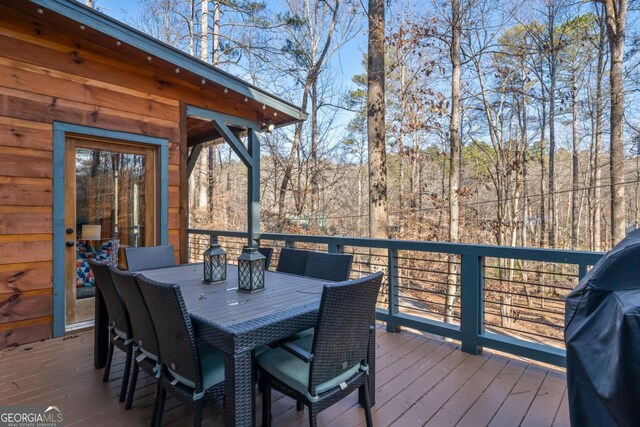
x=250 y=270
x=215 y=264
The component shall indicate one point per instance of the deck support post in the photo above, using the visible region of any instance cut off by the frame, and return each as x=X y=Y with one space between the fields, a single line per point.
x=392 y=282
x=249 y=155
x=253 y=188
x=471 y=302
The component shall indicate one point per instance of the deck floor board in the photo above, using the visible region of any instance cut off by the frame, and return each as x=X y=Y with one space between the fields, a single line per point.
x=421 y=380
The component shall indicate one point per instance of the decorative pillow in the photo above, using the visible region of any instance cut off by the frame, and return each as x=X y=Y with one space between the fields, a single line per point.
x=84 y=275
x=108 y=252
x=81 y=251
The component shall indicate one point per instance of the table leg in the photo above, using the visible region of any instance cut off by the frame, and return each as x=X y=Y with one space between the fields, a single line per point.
x=100 y=332
x=372 y=370
x=239 y=390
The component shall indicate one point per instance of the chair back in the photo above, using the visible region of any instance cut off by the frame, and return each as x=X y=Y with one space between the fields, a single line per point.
x=333 y=267
x=149 y=257
x=176 y=338
x=144 y=333
x=293 y=261
x=118 y=315
x=267 y=253
x=341 y=335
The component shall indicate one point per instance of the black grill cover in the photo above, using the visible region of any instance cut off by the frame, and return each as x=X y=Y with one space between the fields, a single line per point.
x=602 y=335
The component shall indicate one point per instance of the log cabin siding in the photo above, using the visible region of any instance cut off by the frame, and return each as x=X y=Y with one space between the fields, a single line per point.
x=45 y=76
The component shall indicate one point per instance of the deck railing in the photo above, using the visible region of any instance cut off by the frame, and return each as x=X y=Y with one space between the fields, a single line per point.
x=509 y=299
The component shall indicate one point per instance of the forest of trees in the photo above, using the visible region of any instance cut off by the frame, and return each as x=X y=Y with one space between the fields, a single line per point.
x=510 y=123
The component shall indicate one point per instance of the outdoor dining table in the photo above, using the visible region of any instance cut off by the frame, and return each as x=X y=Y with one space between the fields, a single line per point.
x=238 y=323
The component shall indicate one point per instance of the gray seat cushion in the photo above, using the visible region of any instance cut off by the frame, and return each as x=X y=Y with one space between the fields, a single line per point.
x=212 y=362
x=295 y=372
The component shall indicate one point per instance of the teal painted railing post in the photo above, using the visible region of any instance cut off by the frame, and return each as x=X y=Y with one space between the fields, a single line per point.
x=392 y=281
x=334 y=248
x=582 y=271
x=471 y=302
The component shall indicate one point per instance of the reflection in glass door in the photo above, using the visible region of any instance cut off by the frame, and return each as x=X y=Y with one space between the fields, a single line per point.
x=110 y=194
x=109 y=206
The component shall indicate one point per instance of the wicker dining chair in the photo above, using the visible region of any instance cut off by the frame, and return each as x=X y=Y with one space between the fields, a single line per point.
x=120 y=332
x=325 y=266
x=192 y=371
x=292 y=261
x=149 y=257
x=267 y=253
x=145 y=350
x=321 y=369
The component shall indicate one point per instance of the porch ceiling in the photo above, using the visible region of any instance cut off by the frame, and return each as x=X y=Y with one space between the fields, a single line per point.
x=203 y=131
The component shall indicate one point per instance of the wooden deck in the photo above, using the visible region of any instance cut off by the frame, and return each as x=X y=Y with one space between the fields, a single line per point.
x=421 y=380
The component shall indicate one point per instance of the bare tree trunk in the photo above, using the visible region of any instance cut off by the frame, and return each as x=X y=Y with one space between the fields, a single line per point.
x=315 y=192
x=415 y=174
x=192 y=17
x=543 y=130
x=552 y=161
x=204 y=31
x=378 y=217
x=525 y=194
x=215 y=45
x=443 y=177
x=574 y=163
x=210 y=178
x=204 y=56
x=203 y=178
x=597 y=194
x=454 y=159
x=401 y=134
x=553 y=74
x=616 y=13
x=360 y=188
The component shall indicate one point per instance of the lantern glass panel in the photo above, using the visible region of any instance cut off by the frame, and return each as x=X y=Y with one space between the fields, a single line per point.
x=215 y=264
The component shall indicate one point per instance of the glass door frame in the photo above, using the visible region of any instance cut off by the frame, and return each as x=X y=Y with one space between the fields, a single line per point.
x=61 y=132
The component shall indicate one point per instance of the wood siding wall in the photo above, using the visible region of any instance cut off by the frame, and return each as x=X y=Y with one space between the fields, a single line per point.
x=46 y=76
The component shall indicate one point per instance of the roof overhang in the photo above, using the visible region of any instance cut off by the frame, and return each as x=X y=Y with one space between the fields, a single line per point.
x=113 y=28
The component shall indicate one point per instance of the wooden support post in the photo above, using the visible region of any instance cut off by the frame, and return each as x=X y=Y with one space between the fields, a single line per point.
x=253 y=190
x=392 y=280
x=471 y=302
x=185 y=162
x=193 y=158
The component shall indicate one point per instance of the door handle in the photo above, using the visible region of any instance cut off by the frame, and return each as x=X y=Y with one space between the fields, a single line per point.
x=70 y=243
